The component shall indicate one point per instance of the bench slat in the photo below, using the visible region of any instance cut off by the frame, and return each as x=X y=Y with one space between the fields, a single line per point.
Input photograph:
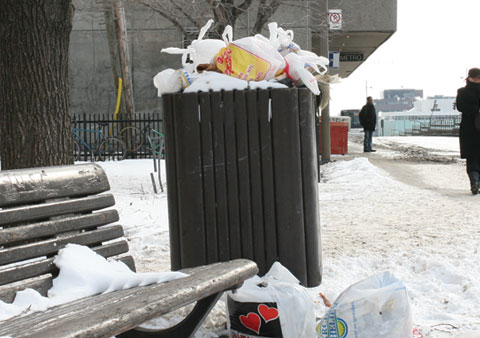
x=44 y=266
x=42 y=284
x=51 y=246
x=42 y=229
x=110 y=314
x=38 y=184
x=57 y=208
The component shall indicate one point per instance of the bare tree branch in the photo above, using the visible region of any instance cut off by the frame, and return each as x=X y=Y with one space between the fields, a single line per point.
x=197 y=23
x=237 y=11
x=164 y=12
x=265 y=11
x=225 y=12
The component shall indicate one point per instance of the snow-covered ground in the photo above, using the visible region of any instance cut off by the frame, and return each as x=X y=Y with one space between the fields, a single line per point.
x=406 y=209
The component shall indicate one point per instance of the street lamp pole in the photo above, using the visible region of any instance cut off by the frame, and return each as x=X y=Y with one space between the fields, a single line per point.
x=326 y=151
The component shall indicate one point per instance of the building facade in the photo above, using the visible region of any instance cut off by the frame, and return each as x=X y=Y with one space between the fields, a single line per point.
x=94 y=89
x=435 y=115
x=398 y=99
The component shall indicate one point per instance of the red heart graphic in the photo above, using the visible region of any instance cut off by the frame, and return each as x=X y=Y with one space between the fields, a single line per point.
x=251 y=321
x=267 y=313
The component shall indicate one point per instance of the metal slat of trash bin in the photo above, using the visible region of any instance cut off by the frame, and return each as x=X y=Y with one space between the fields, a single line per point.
x=232 y=177
x=208 y=173
x=218 y=115
x=189 y=180
x=244 y=183
x=256 y=181
x=288 y=181
x=310 y=187
x=171 y=172
x=271 y=252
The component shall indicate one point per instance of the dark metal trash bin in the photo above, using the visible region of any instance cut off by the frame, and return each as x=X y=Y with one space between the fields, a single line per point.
x=242 y=179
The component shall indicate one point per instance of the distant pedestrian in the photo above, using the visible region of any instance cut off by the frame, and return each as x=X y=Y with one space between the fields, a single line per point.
x=468 y=102
x=368 y=120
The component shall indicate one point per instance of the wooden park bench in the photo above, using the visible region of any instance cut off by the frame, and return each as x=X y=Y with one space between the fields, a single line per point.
x=42 y=210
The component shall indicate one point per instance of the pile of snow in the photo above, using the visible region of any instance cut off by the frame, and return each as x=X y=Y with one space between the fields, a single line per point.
x=215 y=81
x=82 y=273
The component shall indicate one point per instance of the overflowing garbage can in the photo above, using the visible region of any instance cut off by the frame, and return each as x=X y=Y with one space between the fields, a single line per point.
x=242 y=179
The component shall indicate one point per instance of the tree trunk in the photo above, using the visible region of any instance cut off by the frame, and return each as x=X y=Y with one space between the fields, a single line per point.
x=124 y=55
x=35 y=122
x=114 y=52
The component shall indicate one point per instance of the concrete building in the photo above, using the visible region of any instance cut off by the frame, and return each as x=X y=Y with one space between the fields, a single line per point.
x=93 y=89
x=398 y=99
x=436 y=115
x=366 y=24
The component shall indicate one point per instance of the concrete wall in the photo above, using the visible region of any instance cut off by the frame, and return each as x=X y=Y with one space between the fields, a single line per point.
x=92 y=85
x=367 y=15
x=93 y=89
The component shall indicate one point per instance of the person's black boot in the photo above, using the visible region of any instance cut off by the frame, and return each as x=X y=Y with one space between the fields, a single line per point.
x=474 y=182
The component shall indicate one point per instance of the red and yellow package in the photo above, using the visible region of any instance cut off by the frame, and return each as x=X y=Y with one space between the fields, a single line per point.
x=250 y=59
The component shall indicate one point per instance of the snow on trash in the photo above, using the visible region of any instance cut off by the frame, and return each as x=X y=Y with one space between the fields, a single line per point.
x=265 y=61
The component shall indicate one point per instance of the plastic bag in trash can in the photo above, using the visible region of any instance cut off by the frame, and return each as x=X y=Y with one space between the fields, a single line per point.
x=201 y=50
x=374 y=307
x=275 y=305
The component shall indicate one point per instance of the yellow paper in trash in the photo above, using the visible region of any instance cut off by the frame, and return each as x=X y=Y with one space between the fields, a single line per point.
x=242 y=64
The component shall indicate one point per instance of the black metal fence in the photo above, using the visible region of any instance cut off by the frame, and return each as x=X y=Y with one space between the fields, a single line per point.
x=90 y=129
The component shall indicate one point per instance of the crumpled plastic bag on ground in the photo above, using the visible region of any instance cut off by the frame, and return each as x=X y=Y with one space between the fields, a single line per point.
x=374 y=307
x=275 y=305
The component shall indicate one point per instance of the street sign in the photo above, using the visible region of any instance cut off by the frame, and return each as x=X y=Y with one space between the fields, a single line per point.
x=334 y=58
x=335 y=19
x=351 y=57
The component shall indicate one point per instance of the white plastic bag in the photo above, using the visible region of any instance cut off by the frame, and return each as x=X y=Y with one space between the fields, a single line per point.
x=200 y=51
x=275 y=305
x=297 y=72
x=250 y=59
x=374 y=307
x=281 y=40
x=172 y=81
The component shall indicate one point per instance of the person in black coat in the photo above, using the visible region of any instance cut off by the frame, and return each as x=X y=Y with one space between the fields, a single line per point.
x=468 y=103
x=368 y=120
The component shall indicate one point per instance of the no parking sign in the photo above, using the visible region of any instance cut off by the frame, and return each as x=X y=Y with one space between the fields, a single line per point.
x=335 y=19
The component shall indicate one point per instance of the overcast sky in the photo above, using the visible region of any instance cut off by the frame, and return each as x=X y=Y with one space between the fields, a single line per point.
x=436 y=42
